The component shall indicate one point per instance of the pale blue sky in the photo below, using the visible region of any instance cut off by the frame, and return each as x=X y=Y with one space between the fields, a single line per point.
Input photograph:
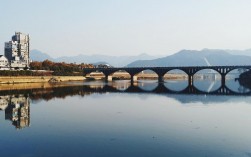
x=127 y=27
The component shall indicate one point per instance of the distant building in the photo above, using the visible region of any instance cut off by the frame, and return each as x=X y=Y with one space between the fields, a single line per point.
x=103 y=66
x=17 y=51
x=4 y=63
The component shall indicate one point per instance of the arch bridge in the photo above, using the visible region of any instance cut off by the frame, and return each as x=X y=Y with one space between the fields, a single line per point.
x=161 y=71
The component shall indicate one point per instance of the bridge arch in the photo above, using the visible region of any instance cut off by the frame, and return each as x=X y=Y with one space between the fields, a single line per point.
x=176 y=80
x=93 y=74
x=239 y=69
x=233 y=82
x=98 y=73
x=120 y=75
x=207 y=71
x=172 y=74
x=146 y=74
x=207 y=80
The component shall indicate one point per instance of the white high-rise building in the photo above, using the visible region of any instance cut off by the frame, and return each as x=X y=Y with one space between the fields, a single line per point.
x=17 y=51
x=4 y=63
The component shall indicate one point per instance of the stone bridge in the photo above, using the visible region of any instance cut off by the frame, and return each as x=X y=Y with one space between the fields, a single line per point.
x=161 y=71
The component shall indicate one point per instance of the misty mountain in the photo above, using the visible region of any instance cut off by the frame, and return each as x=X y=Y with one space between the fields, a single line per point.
x=98 y=63
x=196 y=58
x=240 y=52
x=117 y=61
x=37 y=55
x=112 y=60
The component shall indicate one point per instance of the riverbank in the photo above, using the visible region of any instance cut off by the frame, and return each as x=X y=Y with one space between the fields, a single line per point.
x=38 y=79
x=39 y=85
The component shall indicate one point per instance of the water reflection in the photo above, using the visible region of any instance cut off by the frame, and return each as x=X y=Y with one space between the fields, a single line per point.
x=16 y=103
x=148 y=85
x=123 y=119
x=208 y=87
x=176 y=85
x=87 y=88
x=17 y=110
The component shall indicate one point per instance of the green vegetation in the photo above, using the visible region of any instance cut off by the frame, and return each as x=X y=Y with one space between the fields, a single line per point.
x=61 y=68
x=48 y=68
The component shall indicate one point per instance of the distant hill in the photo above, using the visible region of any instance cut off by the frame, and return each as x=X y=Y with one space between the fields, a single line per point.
x=196 y=58
x=112 y=60
x=37 y=55
x=240 y=52
x=181 y=58
x=117 y=61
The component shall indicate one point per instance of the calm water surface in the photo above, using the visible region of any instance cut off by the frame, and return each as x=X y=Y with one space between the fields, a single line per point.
x=92 y=119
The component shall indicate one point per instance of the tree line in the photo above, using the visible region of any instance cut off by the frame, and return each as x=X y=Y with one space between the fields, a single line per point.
x=48 y=68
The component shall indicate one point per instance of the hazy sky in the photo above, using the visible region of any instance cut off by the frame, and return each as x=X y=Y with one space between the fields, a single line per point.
x=127 y=27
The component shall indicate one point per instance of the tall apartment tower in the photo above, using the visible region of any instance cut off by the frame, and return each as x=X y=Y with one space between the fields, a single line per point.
x=17 y=51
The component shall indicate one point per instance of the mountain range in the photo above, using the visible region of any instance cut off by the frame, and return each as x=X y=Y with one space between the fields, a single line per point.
x=117 y=61
x=205 y=57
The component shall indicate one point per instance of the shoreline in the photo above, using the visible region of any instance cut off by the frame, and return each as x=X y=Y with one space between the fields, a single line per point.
x=38 y=79
x=37 y=85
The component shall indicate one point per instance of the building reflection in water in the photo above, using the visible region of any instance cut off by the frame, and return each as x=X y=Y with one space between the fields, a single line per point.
x=17 y=110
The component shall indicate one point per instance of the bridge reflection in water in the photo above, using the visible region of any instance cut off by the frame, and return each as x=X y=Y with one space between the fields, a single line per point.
x=16 y=103
x=162 y=88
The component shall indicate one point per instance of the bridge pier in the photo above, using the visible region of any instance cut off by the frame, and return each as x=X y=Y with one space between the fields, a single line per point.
x=190 y=80
x=161 y=79
x=223 y=80
x=108 y=78
x=134 y=78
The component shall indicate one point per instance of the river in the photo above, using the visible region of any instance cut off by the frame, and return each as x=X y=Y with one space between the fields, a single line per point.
x=98 y=119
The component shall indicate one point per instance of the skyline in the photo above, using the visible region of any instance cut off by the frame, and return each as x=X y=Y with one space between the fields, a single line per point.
x=116 y=27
